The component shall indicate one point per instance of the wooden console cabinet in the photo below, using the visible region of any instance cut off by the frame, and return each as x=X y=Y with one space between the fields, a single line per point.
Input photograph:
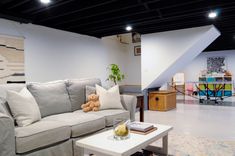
x=162 y=100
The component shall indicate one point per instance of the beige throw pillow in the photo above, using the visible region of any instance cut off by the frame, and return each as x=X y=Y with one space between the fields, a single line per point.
x=23 y=106
x=109 y=98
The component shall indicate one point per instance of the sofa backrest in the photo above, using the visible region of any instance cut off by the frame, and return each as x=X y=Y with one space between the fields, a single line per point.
x=51 y=97
x=77 y=90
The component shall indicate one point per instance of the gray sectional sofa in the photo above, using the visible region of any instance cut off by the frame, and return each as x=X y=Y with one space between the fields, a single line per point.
x=63 y=122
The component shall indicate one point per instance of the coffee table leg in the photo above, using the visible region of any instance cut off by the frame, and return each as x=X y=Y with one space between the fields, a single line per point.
x=158 y=150
x=81 y=151
x=165 y=145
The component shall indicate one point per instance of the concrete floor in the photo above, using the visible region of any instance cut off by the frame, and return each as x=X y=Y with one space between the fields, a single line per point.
x=211 y=121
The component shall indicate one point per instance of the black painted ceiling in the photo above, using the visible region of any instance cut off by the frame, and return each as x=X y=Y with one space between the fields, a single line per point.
x=109 y=17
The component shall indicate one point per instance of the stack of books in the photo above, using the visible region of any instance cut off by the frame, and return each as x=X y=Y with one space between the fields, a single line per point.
x=141 y=127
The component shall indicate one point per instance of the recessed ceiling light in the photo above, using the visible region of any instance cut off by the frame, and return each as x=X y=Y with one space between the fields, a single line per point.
x=212 y=14
x=128 y=28
x=45 y=1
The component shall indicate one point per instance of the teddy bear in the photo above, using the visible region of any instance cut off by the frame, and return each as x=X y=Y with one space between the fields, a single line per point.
x=92 y=104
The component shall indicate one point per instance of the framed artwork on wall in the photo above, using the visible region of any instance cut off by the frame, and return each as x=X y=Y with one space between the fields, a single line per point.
x=216 y=64
x=137 y=50
x=11 y=60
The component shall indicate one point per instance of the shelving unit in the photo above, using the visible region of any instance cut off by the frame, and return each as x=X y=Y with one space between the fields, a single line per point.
x=216 y=87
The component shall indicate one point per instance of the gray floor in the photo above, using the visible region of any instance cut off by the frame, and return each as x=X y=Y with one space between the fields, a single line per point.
x=227 y=101
x=212 y=121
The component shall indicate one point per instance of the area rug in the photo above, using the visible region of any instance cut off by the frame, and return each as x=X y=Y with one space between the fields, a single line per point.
x=187 y=145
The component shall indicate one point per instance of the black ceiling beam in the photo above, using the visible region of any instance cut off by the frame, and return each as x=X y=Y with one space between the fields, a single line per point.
x=136 y=23
x=52 y=6
x=180 y=4
x=75 y=11
x=43 y=7
x=97 y=21
x=171 y=18
x=114 y=18
x=185 y=24
x=227 y=6
x=117 y=10
x=18 y=4
x=5 y=1
x=15 y=18
x=156 y=28
x=98 y=14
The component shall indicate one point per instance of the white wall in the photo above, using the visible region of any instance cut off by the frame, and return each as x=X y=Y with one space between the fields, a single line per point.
x=129 y=64
x=165 y=53
x=116 y=52
x=193 y=69
x=133 y=66
x=52 y=54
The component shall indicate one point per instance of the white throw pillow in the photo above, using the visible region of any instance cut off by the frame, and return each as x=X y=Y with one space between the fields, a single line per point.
x=109 y=98
x=24 y=107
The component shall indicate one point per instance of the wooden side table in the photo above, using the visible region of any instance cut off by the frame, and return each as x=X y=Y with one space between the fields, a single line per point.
x=162 y=100
x=140 y=105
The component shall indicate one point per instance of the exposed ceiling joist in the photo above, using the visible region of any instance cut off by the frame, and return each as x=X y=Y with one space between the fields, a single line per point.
x=110 y=17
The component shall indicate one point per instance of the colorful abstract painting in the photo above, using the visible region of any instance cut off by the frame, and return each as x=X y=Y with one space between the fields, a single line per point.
x=11 y=60
x=216 y=64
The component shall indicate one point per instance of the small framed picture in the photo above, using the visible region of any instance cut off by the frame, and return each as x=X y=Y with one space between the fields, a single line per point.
x=137 y=50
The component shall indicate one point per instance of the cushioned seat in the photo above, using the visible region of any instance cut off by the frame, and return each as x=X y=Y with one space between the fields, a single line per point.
x=111 y=114
x=81 y=123
x=40 y=134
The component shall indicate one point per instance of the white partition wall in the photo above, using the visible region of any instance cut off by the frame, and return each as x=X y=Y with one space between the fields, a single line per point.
x=165 y=53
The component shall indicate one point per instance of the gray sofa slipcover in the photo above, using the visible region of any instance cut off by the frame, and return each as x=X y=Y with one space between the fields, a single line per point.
x=55 y=134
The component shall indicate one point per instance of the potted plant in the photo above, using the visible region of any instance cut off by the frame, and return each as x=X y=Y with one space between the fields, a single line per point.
x=115 y=74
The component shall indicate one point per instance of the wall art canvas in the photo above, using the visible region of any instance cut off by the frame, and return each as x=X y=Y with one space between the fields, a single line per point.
x=11 y=60
x=216 y=64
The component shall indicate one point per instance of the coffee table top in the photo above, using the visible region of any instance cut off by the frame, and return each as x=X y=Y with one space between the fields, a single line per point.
x=105 y=143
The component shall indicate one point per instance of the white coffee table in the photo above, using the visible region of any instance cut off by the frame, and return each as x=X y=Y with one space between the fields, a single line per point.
x=104 y=143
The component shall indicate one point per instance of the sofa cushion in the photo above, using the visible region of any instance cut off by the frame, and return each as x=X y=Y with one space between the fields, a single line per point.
x=23 y=107
x=40 y=134
x=14 y=87
x=90 y=90
x=77 y=91
x=109 y=99
x=111 y=114
x=52 y=97
x=81 y=123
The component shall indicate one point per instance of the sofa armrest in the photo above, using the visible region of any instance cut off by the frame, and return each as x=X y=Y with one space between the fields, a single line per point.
x=129 y=103
x=7 y=136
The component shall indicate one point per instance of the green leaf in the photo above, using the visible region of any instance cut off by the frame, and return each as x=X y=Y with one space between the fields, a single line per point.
x=115 y=73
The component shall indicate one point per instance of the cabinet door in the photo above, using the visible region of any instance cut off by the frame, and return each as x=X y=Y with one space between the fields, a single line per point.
x=156 y=102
